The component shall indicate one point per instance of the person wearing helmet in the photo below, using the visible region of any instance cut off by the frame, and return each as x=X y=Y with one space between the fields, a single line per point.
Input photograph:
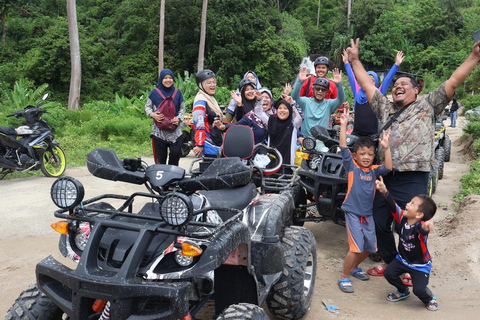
x=317 y=109
x=208 y=138
x=321 y=65
x=366 y=122
x=232 y=105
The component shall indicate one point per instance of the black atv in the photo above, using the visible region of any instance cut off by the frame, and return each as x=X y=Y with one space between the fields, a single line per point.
x=211 y=236
x=323 y=179
x=443 y=147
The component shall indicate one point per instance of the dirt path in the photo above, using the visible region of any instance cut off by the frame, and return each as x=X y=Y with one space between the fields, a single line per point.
x=26 y=238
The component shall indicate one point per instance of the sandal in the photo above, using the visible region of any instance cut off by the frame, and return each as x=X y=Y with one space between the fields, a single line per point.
x=345 y=285
x=397 y=296
x=432 y=305
x=407 y=280
x=377 y=271
x=359 y=274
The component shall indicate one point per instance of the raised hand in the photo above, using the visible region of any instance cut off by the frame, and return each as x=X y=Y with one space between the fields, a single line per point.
x=345 y=56
x=287 y=89
x=385 y=141
x=353 y=49
x=236 y=97
x=399 y=58
x=337 y=75
x=380 y=185
x=302 y=75
x=345 y=116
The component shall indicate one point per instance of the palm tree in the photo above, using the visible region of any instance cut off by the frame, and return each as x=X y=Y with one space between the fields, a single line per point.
x=76 y=64
x=203 y=27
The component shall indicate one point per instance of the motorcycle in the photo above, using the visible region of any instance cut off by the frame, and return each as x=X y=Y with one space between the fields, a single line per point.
x=164 y=253
x=30 y=146
x=323 y=179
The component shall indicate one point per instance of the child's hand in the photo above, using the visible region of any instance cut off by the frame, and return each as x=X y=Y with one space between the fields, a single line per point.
x=385 y=141
x=337 y=75
x=380 y=185
x=345 y=116
x=428 y=226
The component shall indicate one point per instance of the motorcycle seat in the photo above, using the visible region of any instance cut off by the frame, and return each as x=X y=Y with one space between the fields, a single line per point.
x=222 y=173
x=237 y=198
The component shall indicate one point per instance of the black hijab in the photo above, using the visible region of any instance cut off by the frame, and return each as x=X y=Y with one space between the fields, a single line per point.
x=248 y=105
x=280 y=131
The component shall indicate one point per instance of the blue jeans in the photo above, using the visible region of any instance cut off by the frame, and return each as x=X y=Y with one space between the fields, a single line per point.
x=453 y=119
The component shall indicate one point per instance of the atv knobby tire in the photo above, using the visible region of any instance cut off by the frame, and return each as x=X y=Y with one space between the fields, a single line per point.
x=32 y=304
x=291 y=296
x=433 y=179
x=300 y=197
x=447 y=145
x=243 y=311
x=440 y=159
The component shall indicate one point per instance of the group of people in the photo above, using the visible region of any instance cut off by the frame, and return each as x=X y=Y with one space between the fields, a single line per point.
x=404 y=156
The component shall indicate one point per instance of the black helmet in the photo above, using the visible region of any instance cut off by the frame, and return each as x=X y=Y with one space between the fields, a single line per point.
x=203 y=75
x=321 y=60
x=245 y=82
x=322 y=82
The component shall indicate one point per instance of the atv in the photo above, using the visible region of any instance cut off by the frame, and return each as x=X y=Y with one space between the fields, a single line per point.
x=443 y=146
x=163 y=254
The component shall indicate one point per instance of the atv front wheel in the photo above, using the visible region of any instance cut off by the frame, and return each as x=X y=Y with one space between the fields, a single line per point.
x=54 y=162
x=34 y=305
x=291 y=296
x=243 y=311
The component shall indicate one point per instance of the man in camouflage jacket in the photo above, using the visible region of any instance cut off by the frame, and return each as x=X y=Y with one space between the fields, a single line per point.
x=412 y=139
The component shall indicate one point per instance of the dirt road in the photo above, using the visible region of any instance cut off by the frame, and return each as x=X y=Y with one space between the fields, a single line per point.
x=26 y=238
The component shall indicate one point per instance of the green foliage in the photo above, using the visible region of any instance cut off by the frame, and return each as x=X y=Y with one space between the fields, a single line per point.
x=470 y=180
x=470 y=101
x=473 y=129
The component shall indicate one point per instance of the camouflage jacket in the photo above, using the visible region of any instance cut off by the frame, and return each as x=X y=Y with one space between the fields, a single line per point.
x=413 y=133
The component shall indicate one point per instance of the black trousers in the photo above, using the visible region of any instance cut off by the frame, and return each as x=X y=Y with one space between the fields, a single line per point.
x=403 y=186
x=419 y=280
x=161 y=151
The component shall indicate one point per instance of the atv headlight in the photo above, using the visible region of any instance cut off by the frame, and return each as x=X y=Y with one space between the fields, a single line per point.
x=314 y=161
x=308 y=143
x=182 y=260
x=67 y=192
x=176 y=209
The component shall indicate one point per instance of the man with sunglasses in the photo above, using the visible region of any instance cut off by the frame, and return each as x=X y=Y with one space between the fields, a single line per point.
x=318 y=109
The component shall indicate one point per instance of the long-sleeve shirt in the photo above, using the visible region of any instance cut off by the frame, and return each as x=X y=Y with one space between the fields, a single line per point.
x=316 y=113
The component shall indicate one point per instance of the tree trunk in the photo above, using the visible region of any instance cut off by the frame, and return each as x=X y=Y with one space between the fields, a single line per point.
x=318 y=12
x=203 y=28
x=3 y=15
x=161 y=34
x=349 y=12
x=76 y=64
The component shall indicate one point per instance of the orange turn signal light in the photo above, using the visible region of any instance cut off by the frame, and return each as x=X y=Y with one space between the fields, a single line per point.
x=190 y=250
x=60 y=227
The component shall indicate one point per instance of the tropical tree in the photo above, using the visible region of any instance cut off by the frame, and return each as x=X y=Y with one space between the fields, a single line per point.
x=76 y=64
x=203 y=28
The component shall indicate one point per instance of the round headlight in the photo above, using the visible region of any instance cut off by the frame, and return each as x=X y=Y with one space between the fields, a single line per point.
x=182 y=260
x=308 y=143
x=176 y=209
x=314 y=161
x=67 y=192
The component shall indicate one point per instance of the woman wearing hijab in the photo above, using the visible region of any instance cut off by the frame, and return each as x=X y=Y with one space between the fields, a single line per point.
x=208 y=138
x=232 y=105
x=366 y=122
x=166 y=143
x=282 y=129
x=267 y=99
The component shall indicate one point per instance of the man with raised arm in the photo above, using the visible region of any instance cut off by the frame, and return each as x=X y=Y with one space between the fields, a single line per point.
x=412 y=138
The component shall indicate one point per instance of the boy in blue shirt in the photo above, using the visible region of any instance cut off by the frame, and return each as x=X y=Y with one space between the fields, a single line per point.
x=358 y=204
x=413 y=256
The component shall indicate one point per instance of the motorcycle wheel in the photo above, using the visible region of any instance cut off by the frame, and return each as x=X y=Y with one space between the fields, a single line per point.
x=243 y=311
x=291 y=296
x=49 y=166
x=33 y=304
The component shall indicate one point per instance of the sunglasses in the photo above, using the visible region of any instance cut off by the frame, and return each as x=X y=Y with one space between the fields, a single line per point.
x=321 y=89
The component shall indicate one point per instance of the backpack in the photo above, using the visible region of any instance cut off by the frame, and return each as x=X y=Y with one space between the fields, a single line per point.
x=167 y=108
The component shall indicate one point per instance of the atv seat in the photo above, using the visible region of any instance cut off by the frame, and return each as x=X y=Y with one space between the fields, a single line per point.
x=236 y=198
x=222 y=173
